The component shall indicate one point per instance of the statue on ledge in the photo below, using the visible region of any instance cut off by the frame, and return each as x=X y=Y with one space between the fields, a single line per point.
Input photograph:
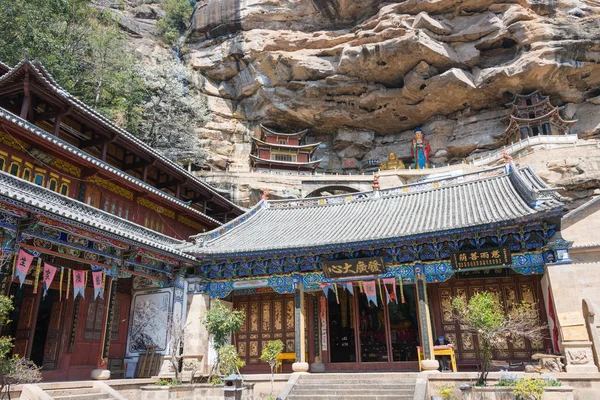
x=392 y=163
x=420 y=150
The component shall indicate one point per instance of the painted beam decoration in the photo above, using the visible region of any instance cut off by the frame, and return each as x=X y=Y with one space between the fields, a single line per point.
x=354 y=267
x=480 y=258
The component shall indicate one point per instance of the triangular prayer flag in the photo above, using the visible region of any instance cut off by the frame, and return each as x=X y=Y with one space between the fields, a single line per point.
x=98 y=287
x=49 y=272
x=22 y=264
x=325 y=288
x=370 y=288
x=78 y=283
x=390 y=295
x=349 y=287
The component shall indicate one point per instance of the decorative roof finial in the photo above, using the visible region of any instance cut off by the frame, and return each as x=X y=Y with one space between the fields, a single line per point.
x=375 y=182
x=265 y=195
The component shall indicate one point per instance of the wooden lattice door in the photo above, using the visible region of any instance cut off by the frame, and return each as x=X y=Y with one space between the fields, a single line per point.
x=51 y=348
x=508 y=291
x=268 y=317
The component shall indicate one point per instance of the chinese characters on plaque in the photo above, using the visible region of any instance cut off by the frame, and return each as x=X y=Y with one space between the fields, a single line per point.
x=481 y=258
x=355 y=267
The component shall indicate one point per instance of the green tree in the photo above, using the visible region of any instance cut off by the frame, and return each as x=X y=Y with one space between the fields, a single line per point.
x=83 y=49
x=484 y=316
x=175 y=22
x=13 y=370
x=269 y=355
x=221 y=323
x=172 y=112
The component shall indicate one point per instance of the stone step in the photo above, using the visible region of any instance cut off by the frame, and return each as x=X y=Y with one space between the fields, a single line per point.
x=352 y=392
x=72 y=391
x=350 y=381
x=338 y=385
x=350 y=397
x=375 y=377
x=84 y=396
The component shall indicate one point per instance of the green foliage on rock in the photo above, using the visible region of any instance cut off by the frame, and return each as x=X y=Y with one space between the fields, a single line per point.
x=230 y=362
x=175 y=22
x=83 y=49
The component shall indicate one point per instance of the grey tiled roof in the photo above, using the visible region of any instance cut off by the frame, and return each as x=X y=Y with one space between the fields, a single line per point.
x=42 y=134
x=45 y=200
x=493 y=196
x=83 y=108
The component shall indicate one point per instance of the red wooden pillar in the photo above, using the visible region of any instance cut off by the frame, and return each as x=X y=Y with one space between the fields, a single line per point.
x=311 y=328
x=102 y=359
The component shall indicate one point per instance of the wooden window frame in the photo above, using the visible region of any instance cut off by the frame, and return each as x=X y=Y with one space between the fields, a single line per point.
x=16 y=164
x=50 y=182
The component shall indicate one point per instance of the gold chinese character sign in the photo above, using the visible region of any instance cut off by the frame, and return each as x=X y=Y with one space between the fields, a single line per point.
x=355 y=267
x=481 y=258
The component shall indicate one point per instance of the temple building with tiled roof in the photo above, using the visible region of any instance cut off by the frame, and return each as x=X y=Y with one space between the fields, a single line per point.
x=533 y=115
x=282 y=152
x=377 y=264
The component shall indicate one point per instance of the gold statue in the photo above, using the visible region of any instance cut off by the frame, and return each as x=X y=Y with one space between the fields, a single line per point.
x=392 y=163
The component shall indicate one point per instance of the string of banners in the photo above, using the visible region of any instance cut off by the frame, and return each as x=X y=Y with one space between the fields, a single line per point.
x=22 y=264
x=369 y=289
x=336 y=269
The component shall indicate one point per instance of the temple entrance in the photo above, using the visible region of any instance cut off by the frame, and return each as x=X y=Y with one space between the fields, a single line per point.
x=387 y=331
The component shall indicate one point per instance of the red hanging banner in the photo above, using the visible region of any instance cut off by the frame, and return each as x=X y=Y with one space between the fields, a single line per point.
x=371 y=291
x=97 y=279
x=49 y=272
x=78 y=284
x=23 y=262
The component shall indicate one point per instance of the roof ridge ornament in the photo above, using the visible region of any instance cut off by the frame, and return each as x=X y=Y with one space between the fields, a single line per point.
x=376 y=193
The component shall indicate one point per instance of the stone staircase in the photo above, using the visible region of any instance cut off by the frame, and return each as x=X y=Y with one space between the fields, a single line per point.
x=78 y=390
x=354 y=386
x=78 y=393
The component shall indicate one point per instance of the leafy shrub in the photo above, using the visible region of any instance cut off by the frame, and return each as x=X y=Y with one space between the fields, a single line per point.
x=529 y=388
x=447 y=391
x=230 y=362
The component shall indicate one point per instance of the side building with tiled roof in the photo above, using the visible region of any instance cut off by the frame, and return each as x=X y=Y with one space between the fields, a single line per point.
x=81 y=197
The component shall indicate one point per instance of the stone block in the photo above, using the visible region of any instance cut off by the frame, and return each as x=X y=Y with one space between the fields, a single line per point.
x=100 y=374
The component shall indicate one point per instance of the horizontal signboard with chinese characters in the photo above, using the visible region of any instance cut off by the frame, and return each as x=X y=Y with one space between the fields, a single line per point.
x=355 y=267
x=481 y=258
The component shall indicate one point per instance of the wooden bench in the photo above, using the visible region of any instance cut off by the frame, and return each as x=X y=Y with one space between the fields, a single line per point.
x=439 y=351
x=285 y=356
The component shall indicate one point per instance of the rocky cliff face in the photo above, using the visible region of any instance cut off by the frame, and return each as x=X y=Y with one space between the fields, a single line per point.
x=362 y=74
